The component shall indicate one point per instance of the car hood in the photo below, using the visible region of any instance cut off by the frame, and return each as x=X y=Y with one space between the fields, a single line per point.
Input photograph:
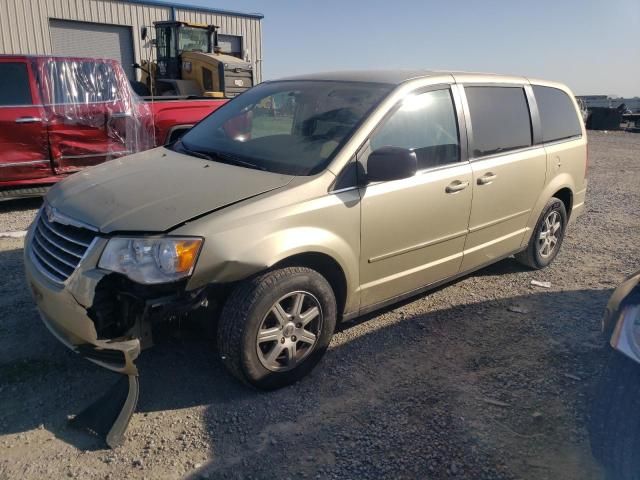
x=156 y=190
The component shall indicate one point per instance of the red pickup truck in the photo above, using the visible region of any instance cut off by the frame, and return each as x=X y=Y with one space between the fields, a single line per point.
x=61 y=114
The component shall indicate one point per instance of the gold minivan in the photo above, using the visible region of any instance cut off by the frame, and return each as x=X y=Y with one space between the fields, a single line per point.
x=304 y=202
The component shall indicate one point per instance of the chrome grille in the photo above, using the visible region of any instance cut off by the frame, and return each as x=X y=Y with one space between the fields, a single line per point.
x=58 y=249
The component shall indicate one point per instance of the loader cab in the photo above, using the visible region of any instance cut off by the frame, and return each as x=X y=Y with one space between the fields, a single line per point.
x=189 y=63
x=174 y=38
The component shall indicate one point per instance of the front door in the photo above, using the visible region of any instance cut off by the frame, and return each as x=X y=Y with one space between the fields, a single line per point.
x=92 y=116
x=413 y=230
x=24 y=149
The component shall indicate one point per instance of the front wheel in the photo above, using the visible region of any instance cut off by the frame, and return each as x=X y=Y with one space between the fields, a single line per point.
x=275 y=327
x=547 y=236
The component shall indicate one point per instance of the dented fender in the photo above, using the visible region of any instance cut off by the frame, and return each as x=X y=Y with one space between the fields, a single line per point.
x=257 y=234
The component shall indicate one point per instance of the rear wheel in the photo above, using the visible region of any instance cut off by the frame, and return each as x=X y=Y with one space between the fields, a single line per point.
x=547 y=237
x=275 y=327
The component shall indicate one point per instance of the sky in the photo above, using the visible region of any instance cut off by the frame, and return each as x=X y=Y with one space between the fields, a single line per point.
x=592 y=46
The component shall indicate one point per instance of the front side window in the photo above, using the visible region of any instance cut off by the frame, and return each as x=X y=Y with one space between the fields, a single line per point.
x=289 y=127
x=78 y=82
x=558 y=115
x=14 y=84
x=425 y=123
x=500 y=119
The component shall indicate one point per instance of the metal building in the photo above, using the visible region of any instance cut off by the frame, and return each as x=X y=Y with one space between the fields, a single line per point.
x=111 y=28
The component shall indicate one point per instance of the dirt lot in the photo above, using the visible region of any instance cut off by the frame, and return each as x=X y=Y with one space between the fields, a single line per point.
x=486 y=378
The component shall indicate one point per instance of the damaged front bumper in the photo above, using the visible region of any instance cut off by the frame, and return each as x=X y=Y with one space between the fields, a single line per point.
x=107 y=319
x=64 y=310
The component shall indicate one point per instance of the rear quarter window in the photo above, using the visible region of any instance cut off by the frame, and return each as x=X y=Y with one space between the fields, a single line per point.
x=500 y=119
x=14 y=84
x=558 y=115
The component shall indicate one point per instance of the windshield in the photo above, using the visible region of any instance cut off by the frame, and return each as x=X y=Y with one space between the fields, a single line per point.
x=193 y=39
x=289 y=127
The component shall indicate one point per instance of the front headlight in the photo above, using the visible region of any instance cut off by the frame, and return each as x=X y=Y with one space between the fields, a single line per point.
x=151 y=260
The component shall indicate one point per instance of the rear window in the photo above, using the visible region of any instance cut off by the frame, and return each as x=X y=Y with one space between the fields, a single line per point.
x=14 y=84
x=500 y=119
x=558 y=115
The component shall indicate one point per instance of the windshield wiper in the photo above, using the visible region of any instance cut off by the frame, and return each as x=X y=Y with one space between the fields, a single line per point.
x=194 y=153
x=234 y=160
x=212 y=155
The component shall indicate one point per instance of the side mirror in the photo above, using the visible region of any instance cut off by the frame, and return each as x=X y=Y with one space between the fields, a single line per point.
x=391 y=163
x=143 y=33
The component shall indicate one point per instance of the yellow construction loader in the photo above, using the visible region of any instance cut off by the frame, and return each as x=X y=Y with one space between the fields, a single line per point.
x=189 y=62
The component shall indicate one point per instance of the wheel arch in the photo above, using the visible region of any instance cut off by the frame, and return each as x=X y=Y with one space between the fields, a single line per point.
x=561 y=187
x=566 y=196
x=326 y=266
x=176 y=132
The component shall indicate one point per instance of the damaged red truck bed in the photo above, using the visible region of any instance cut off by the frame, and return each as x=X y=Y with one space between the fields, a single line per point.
x=61 y=114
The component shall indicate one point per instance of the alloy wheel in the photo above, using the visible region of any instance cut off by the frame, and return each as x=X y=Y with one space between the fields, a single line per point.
x=289 y=331
x=549 y=235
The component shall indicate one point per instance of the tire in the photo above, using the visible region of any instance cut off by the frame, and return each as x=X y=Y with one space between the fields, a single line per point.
x=614 y=426
x=534 y=256
x=252 y=309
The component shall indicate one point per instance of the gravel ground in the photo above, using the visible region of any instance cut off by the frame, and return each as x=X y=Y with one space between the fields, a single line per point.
x=17 y=214
x=488 y=377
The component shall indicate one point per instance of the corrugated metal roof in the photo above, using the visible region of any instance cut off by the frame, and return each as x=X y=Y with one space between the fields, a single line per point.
x=218 y=11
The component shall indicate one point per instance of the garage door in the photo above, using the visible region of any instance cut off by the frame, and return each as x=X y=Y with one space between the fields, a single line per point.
x=83 y=39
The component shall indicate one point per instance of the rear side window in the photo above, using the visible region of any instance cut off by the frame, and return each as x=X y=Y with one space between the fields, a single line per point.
x=425 y=123
x=500 y=119
x=557 y=114
x=14 y=84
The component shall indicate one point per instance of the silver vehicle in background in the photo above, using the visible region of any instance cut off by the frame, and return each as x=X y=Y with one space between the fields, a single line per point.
x=615 y=417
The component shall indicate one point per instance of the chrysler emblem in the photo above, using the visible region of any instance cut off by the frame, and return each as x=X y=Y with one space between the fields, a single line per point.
x=50 y=213
x=53 y=215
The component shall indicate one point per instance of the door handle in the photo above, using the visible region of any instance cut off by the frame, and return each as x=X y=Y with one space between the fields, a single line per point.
x=456 y=186
x=487 y=178
x=28 y=119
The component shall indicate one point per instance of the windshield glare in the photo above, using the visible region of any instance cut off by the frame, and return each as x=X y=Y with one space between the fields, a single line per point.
x=288 y=127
